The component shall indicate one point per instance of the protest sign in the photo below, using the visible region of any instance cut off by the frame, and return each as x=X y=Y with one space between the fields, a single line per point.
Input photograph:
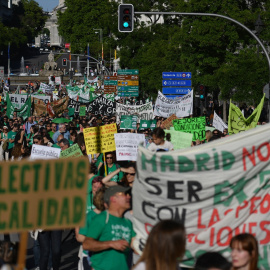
x=128 y=122
x=58 y=106
x=195 y=125
x=218 y=123
x=217 y=190
x=100 y=139
x=24 y=111
x=180 y=139
x=238 y=123
x=181 y=107
x=168 y=122
x=145 y=124
x=127 y=145
x=47 y=194
x=71 y=111
x=73 y=151
x=82 y=111
x=44 y=152
x=18 y=100
x=103 y=106
x=144 y=112
x=45 y=99
x=92 y=140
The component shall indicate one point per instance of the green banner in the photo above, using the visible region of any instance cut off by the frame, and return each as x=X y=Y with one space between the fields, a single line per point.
x=24 y=111
x=180 y=139
x=195 y=125
x=71 y=111
x=82 y=111
x=128 y=122
x=72 y=151
x=146 y=124
x=238 y=123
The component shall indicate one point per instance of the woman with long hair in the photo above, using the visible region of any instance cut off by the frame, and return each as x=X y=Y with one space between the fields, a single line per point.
x=164 y=248
x=244 y=252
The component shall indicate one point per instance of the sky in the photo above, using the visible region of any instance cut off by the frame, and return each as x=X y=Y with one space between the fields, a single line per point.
x=48 y=5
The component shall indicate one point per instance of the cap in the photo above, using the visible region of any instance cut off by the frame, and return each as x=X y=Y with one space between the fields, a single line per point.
x=5 y=127
x=109 y=192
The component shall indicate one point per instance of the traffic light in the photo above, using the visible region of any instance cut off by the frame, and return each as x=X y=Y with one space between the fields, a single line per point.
x=125 y=17
x=64 y=62
x=202 y=92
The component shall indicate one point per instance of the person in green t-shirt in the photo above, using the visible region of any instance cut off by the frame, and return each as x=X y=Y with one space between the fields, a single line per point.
x=111 y=166
x=11 y=138
x=110 y=235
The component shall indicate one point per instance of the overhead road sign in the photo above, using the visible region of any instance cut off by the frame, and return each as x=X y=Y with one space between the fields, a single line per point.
x=176 y=75
x=110 y=78
x=110 y=82
x=128 y=94
x=176 y=83
x=128 y=77
x=128 y=88
x=127 y=83
x=176 y=90
x=127 y=72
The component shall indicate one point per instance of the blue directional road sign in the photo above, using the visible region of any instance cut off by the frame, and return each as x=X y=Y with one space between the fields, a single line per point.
x=176 y=75
x=176 y=83
x=173 y=96
x=176 y=90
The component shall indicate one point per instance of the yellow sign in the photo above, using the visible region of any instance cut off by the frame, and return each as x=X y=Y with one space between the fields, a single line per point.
x=47 y=194
x=128 y=83
x=92 y=140
x=100 y=139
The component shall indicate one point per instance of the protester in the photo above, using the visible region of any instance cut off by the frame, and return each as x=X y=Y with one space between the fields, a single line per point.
x=159 y=142
x=29 y=123
x=244 y=252
x=11 y=139
x=62 y=130
x=64 y=144
x=110 y=234
x=111 y=166
x=164 y=248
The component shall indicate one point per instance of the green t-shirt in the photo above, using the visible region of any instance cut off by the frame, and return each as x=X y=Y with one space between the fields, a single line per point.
x=11 y=135
x=31 y=140
x=56 y=145
x=117 y=177
x=51 y=133
x=114 y=229
x=89 y=197
x=84 y=230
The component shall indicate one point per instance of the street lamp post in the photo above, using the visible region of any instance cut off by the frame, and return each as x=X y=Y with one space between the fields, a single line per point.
x=258 y=28
x=101 y=41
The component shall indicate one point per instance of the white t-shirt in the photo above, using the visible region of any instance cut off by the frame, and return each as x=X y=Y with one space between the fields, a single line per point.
x=166 y=146
x=140 y=266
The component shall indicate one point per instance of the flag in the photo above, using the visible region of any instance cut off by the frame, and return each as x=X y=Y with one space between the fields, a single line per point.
x=238 y=123
x=50 y=110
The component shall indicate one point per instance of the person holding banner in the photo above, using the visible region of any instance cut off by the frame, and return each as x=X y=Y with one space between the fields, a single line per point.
x=164 y=248
x=159 y=144
x=244 y=252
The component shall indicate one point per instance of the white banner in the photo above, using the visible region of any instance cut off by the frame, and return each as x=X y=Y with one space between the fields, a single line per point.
x=127 y=145
x=18 y=100
x=144 y=112
x=218 y=123
x=217 y=190
x=46 y=99
x=181 y=107
x=57 y=80
x=44 y=152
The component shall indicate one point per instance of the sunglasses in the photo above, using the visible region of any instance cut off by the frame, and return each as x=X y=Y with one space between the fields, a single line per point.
x=36 y=141
x=109 y=158
x=130 y=174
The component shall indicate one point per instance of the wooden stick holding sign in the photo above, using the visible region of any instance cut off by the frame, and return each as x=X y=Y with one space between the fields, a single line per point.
x=22 y=251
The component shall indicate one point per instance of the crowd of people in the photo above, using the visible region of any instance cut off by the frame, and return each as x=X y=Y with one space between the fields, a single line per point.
x=106 y=240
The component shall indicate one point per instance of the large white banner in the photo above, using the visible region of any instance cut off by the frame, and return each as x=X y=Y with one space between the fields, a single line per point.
x=217 y=190
x=181 y=107
x=44 y=152
x=127 y=145
x=218 y=123
x=18 y=100
x=144 y=112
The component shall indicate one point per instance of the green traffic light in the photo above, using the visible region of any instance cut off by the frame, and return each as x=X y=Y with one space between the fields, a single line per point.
x=126 y=24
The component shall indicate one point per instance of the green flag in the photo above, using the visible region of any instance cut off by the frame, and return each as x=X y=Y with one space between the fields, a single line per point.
x=238 y=123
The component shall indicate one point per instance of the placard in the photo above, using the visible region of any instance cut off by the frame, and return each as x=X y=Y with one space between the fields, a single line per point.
x=44 y=152
x=47 y=194
x=128 y=122
x=73 y=151
x=127 y=145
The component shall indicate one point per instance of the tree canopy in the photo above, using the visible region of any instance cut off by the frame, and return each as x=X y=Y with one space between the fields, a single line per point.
x=220 y=54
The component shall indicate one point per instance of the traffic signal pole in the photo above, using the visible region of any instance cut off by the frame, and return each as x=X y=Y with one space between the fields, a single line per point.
x=212 y=15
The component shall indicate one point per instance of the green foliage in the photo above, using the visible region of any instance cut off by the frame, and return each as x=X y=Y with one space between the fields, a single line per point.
x=219 y=53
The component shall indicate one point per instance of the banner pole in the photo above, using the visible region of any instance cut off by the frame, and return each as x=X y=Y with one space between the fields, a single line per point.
x=105 y=167
x=22 y=251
